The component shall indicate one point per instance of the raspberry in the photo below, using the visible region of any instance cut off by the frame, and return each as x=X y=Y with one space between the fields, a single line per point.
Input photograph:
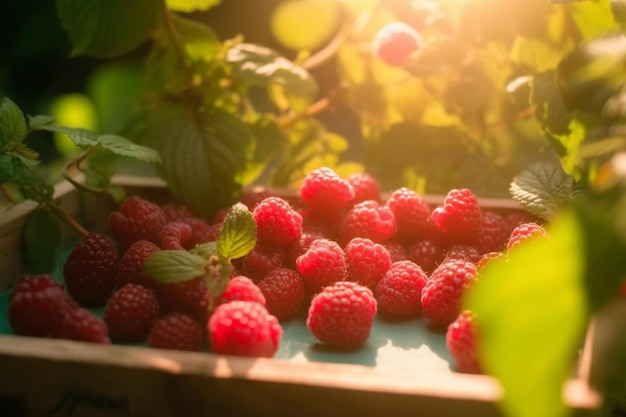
x=518 y=217
x=412 y=214
x=241 y=288
x=284 y=292
x=187 y=297
x=176 y=331
x=254 y=196
x=368 y=220
x=342 y=314
x=131 y=264
x=489 y=257
x=493 y=233
x=524 y=232
x=459 y=217
x=462 y=342
x=395 y=42
x=130 y=313
x=322 y=264
x=368 y=262
x=396 y=250
x=244 y=328
x=365 y=187
x=441 y=297
x=464 y=253
x=299 y=247
x=201 y=232
x=399 y=292
x=178 y=212
x=427 y=254
x=277 y=222
x=90 y=270
x=173 y=235
x=325 y=193
x=36 y=305
x=136 y=219
x=262 y=259
x=82 y=325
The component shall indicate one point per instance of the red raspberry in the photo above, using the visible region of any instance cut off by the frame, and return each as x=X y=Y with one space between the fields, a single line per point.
x=427 y=254
x=130 y=313
x=342 y=314
x=399 y=292
x=173 y=235
x=37 y=304
x=137 y=219
x=241 y=288
x=325 y=193
x=493 y=233
x=176 y=331
x=90 y=270
x=254 y=196
x=524 y=232
x=411 y=212
x=396 y=250
x=201 y=232
x=442 y=295
x=368 y=262
x=82 y=325
x=187 y=297
x=277 y=222
x=244 y=328
x=322 y=264
x=178 y=212
x=489 y=257
x=462 y=343
x=365 y=187
x=284 y=292
x=368 y=220
x=459 y=217
x=262 y=259
x=518 y=217
x=131 y=264
x=299 y=247
x=395 y=42
x=464 y=253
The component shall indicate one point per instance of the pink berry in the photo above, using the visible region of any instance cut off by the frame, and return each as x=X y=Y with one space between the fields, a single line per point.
x=462 y=342
x=176 y=331
x=368 y=220
x=395 y=42
x=368 y=262
x=284 y=292
x=322 y=264
x=399 y=292
x=325 y=193
x=130 y=313
x=277 y=221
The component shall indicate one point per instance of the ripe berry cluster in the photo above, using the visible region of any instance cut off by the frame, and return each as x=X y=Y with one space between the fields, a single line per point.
x=339 y=252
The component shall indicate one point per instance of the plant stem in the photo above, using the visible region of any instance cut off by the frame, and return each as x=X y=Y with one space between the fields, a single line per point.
x=73 y=224
x=175 y=37
x=77 y=164
x=6 y=194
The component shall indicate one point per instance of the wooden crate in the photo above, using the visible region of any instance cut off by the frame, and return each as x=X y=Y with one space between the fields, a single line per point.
x=42 y=377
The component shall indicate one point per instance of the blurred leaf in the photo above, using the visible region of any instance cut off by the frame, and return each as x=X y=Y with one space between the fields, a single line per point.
x=237 y=236
x=270 y=144
x=592 y=73
x=532 y=348
x=536 y=54
x=188 y=6
x=542 y=189
x=592 y=18
x=170 y=266
x=12 y=124
x=198 y=39
x=73 y=110
x=549 y=106
x=9 y=167
x=205 y=154
x=37 y=122
x=33 y=184
x=436 y=57
x=618 y=8
x=206 y=249
x=292 y=25
x=107 y=28
x=263 y=66
x=41 y=239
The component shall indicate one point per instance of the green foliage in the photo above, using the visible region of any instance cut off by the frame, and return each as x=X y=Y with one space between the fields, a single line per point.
x=238 y=234
x=12 y=124
x=42 y=232
x=191 y=5
x=171 y=266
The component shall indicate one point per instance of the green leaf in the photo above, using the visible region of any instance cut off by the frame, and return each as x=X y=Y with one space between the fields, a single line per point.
x=205 y=154
x=12 y=124
x=206 y=249
x=270 y=143
x=33 y=184
x=292 y=26
x=107 y=28
x=39 y=121
x=532 y=312
x=41 y=239
x=238 y=234
x=198 y=39
x=188 y=6
x=116 y=144
x=550 y=108
x=170 y=266
x=9 y=168
x=542 y=189
x=263 y=66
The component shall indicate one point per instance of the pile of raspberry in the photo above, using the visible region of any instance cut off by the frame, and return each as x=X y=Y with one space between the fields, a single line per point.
x=336 y=254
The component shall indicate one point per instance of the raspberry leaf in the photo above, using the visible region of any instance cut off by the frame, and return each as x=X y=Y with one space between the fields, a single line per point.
x=170 y=266
x=542 y=189
x=237 y=236
x=12 y=124
x=206 y=249
x=117 y=144
x=41 y=238
x=107 y=28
